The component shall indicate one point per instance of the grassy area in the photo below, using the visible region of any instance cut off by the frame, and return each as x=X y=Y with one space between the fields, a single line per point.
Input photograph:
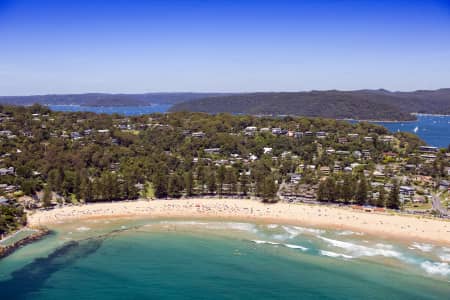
x=149 y=191
x=135 y=132
x=418 y=206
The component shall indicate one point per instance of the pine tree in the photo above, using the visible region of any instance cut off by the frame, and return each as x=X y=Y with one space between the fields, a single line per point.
x=393 y=200
x=211 y=182
x=322 y=191
x=175 y=185
x=86 y=190
x=243 y=188
x=331 y=189
x=221 y=178
x=381 y=201
x=347 y=189
x=189 y=183
x=47 y=197
x=160 y=184
x=201 y=177
x=232 y=181
x=361 y=191
x=270 y=189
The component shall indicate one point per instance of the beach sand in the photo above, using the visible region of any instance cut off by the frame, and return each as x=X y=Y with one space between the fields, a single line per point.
x=400 y=227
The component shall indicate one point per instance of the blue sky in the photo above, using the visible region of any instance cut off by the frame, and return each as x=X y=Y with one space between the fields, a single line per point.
x=152 y=46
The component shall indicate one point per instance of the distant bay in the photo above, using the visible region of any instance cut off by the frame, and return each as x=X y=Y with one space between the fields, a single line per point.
x=433 y=129
x=123 y=110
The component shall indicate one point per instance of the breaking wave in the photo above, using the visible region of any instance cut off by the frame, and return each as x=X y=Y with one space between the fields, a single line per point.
x=262 y=242
x=436 y=268
x=294 y=231
x=422 y=247
x=295 y=247
x=445 y=257
x=359 y=250
x=349 y=232
x=334 y=254
x=265 y=242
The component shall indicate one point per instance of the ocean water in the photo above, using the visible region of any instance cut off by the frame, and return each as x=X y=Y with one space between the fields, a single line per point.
x=434 y=130
x=124 y=110
x=188 y=259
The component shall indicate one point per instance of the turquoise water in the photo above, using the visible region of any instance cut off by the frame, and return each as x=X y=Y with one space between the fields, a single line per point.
x=143 y=259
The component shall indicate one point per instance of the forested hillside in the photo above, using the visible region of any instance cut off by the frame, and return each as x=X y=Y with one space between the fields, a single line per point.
x=364 y=104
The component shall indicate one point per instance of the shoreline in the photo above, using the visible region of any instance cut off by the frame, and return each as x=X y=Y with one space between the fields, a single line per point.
x=391 y=226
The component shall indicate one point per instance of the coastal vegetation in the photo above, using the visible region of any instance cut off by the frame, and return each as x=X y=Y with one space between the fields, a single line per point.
x=12 y=217
x=52 y=158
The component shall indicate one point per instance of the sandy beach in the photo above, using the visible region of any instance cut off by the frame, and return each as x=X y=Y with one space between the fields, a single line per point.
x=382 y=225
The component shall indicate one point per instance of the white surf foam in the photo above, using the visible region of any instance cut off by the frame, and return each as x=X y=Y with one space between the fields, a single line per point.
x=265 y=242
x=82 y=228
x=292 y=246
x=294 y=231
x=242 y=226
x=349 y=232
x=272 y=226
x=445 y=257
x=334 y=254
x=295 y=247
x=436 y=268
x=280 y=237
x=359 y=250
x=422 y=247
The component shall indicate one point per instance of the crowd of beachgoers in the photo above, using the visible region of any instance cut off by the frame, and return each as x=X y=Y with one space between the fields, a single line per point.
x=379 y=224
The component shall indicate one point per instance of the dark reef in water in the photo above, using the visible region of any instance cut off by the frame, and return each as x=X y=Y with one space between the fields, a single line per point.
x=31 y=277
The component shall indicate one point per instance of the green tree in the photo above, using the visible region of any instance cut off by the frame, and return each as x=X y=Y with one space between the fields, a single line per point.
x=202 y=177
x=86 y=190
x=243 y=188
x=221 y=178
x=160 y=184
x=189 y=183
x=175 y=188
x=347 y=190
x=211 y=182
x=231 y=180
x=327 y=190
x=361 y=190
x=381 y=201
x=47 y=197
x=393 y=200
x=270 y=189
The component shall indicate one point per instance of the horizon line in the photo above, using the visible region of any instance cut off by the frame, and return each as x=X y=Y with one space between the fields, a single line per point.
x=227 y=92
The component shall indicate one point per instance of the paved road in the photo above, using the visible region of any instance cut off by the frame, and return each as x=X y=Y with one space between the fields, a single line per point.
x=437 y=205
x=282 y=186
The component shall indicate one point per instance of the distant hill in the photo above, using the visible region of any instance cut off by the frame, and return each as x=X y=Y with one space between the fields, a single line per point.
x=361 y=104
x=103 y=99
